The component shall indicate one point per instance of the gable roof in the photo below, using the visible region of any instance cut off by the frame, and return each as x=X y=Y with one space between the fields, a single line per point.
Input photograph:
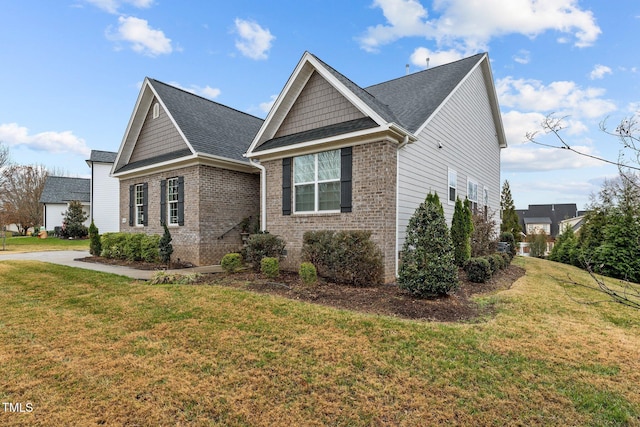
x=208 y=128
x=98 y=156
x=404 y=104
x=62 y=189
x=552 y=214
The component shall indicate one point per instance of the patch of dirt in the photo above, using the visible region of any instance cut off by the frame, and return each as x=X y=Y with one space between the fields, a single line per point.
x=385 y=300
x=139 y=265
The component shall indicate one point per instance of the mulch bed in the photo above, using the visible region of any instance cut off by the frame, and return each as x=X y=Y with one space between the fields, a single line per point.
x=386 y=300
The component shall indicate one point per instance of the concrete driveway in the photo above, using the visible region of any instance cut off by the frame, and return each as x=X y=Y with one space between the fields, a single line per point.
x=68 y=258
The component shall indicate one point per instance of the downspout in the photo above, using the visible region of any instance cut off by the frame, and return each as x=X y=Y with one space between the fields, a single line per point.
x=404 y=142
x=263 y=194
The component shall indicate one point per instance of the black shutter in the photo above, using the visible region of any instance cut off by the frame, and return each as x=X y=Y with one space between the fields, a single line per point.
x=181 y=200
x=163 y=201
x=131 y=205
x=145 y=204
x=345 y=179
x=286 y=186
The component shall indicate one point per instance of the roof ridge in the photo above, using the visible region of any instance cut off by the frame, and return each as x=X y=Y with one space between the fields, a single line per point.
x=203 y=98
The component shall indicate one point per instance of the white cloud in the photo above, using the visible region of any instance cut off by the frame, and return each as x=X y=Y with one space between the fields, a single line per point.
x=254 y=41
x=532 y=158
x=112 y=6
x=51 y=142
x=266 y=106
x=523 y=57
x=143 y=38
x=474 y=24
x=420 y=55
x=599 y=71
x=563 y=97
x=207 y=91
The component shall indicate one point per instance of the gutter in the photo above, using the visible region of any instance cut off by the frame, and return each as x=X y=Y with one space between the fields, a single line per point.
x=263 y=194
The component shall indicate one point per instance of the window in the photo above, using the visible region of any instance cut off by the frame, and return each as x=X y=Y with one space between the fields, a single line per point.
x=316 y=179
x=472 y=194
x=156 y=110
x=139 y=204
x=453 y=186
x=486 y=203
x=172 y=200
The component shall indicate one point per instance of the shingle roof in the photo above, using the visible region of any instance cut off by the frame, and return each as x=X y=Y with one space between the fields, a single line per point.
x=62 y=189
x=210 y=127
x=102 y=156
x=156 y=159
x=554 y=213
x=413 y=98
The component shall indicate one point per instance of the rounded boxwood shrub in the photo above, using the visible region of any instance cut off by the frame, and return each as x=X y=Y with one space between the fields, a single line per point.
x=263 y=245
x=308 y=273
x=231 y=262
x=478 y=270
x=498 y=260
x=270 y=267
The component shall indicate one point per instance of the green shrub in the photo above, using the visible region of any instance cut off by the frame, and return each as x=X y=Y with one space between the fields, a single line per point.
x=162 y=278
x=165 y=248
x=511 y=240
x=461 y=229
x=428 y=264
x=507 y=258
x=231 y=262
x=113 y=245
x=347 y=257
x=263 y=245
x=308 y=273
x=149 y=248
x=132 y=246
x=270 y=267
x=478 y=270
x=495 y=262
x=95 y=246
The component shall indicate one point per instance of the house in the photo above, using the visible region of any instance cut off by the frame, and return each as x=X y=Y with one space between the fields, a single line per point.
x=58 y=191
x=180 y=163
x=334 y=155
x=104 y=192
x=545 y=218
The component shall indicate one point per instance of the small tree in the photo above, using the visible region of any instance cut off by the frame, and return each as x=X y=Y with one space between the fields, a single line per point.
x=165 y=248
x=428 y=263
x=483 y=237
x=537 y=244
x=461 y=227
x=73 y=222
x=95 y=246
x=510 y=221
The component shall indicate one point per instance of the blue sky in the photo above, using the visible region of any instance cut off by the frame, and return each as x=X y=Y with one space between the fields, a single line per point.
x=70 y=70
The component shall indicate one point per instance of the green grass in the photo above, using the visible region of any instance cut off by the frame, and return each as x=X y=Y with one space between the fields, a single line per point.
x=32 y=244
x=92 y=348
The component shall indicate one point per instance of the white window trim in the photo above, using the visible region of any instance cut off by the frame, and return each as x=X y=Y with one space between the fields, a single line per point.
x=449 y=172
x=315 y=183
x=139 y=189
x=156 y=110
x=170 y=202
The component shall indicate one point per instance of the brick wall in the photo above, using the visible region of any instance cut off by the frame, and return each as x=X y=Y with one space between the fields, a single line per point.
x=373 y=205
x=215 y=200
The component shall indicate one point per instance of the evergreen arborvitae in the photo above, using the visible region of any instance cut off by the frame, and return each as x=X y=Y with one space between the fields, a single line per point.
x=510 y=221
x=460 y=235
x=73 y=221
x=165 y=249
x=428 y=264
x=95 y=246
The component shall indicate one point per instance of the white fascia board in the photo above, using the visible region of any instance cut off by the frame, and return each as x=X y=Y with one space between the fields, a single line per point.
x=495 y=106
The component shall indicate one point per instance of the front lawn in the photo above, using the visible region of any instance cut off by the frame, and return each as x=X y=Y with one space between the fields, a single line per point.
x=33 y=244
x=90 y=348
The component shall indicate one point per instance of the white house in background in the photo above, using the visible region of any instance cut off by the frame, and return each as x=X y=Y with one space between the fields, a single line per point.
x=58 y=192
x=104 y=192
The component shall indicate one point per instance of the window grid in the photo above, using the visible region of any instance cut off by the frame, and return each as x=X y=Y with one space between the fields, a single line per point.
x=472 y=194
x=172 y=200
x=139 y=204
x=453 y=186
x=317 y=182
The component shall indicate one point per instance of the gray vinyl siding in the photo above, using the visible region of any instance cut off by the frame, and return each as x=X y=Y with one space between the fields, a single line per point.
x=319 y=104
x=471 y=148
x=158 y=136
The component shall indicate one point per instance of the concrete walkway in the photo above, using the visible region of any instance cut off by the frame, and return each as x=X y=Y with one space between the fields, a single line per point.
x=68 y=258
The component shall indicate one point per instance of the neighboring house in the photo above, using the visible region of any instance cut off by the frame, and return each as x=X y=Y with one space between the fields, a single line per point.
x=104 y=192
x=337 y=156
x=547 y=219
x=57 y=193
x=180 y=163
x=573 y=223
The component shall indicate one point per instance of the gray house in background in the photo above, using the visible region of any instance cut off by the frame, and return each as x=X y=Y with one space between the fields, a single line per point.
x=58 y=192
